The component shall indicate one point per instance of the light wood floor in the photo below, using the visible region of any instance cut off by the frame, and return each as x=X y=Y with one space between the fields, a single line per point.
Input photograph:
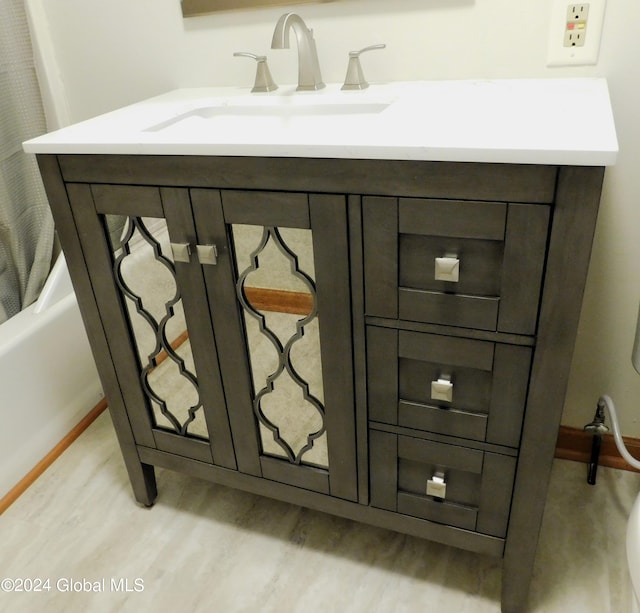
x=204 y=547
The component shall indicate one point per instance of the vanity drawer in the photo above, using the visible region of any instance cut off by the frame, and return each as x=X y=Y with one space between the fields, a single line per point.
x=455 y=262
x=455 y=386
x=448 y=484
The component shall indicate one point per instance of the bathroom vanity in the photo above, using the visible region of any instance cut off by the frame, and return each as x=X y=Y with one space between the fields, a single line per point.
x=407 y=366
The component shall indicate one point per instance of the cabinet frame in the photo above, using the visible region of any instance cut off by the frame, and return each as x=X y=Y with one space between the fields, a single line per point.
x=573 y=192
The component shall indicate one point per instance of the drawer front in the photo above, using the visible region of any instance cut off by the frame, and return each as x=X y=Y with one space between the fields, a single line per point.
x=461 y=263
x=448 y=484
x=455 y=386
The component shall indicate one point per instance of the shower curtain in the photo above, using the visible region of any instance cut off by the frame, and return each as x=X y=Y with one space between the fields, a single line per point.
x=26 y=226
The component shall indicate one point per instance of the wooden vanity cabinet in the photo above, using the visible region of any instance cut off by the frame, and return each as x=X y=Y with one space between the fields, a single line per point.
x=447 y=296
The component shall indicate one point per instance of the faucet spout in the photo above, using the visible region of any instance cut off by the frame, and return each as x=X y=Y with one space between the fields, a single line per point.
x=309 y=77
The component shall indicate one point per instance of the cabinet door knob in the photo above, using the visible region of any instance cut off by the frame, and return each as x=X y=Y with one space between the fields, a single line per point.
x=181 y=252
x=442 y=389
x=437 y=486
x=447 y=269
x=207 y=254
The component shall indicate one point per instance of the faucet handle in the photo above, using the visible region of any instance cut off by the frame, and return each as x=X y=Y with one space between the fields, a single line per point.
x=264 y=81
x=355 y=77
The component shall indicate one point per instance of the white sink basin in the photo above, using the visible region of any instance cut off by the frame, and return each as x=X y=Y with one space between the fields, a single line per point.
x=280 y=108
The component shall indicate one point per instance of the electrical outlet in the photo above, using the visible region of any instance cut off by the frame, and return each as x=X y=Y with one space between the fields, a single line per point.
x=574 y=32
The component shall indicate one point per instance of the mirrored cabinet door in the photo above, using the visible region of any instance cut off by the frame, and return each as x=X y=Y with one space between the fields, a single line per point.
x=160 y=337
x=283 y=263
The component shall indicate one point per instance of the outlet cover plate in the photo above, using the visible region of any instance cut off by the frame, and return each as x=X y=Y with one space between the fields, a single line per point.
x=557 y=53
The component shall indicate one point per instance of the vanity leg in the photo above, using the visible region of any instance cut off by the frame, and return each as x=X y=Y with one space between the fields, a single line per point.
x=143 y=482
x=141 y=476
x=515 y=589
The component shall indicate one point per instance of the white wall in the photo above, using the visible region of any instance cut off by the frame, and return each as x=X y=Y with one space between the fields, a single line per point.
x=106 y=54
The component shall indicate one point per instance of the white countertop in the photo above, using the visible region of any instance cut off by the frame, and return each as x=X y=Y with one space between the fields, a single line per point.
x=532 y=121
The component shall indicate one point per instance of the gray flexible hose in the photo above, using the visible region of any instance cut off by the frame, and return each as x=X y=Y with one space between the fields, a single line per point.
x=608 y=403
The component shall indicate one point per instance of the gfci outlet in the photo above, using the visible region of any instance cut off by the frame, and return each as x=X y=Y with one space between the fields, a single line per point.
x=575 y=33
x=575 y=30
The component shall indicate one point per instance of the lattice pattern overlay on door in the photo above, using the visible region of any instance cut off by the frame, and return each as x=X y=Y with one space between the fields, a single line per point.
x=283 y=340
x=145 y=274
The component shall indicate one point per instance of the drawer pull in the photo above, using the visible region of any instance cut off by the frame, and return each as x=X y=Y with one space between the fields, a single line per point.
x=437 y=486
x=442 y=389
x=181 y=252
x=447 y=269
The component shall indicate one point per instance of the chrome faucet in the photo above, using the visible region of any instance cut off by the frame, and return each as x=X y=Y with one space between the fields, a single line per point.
x=309 y=77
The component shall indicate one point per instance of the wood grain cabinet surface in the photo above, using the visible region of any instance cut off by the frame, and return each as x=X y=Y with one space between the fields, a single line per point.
x=443 y=300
